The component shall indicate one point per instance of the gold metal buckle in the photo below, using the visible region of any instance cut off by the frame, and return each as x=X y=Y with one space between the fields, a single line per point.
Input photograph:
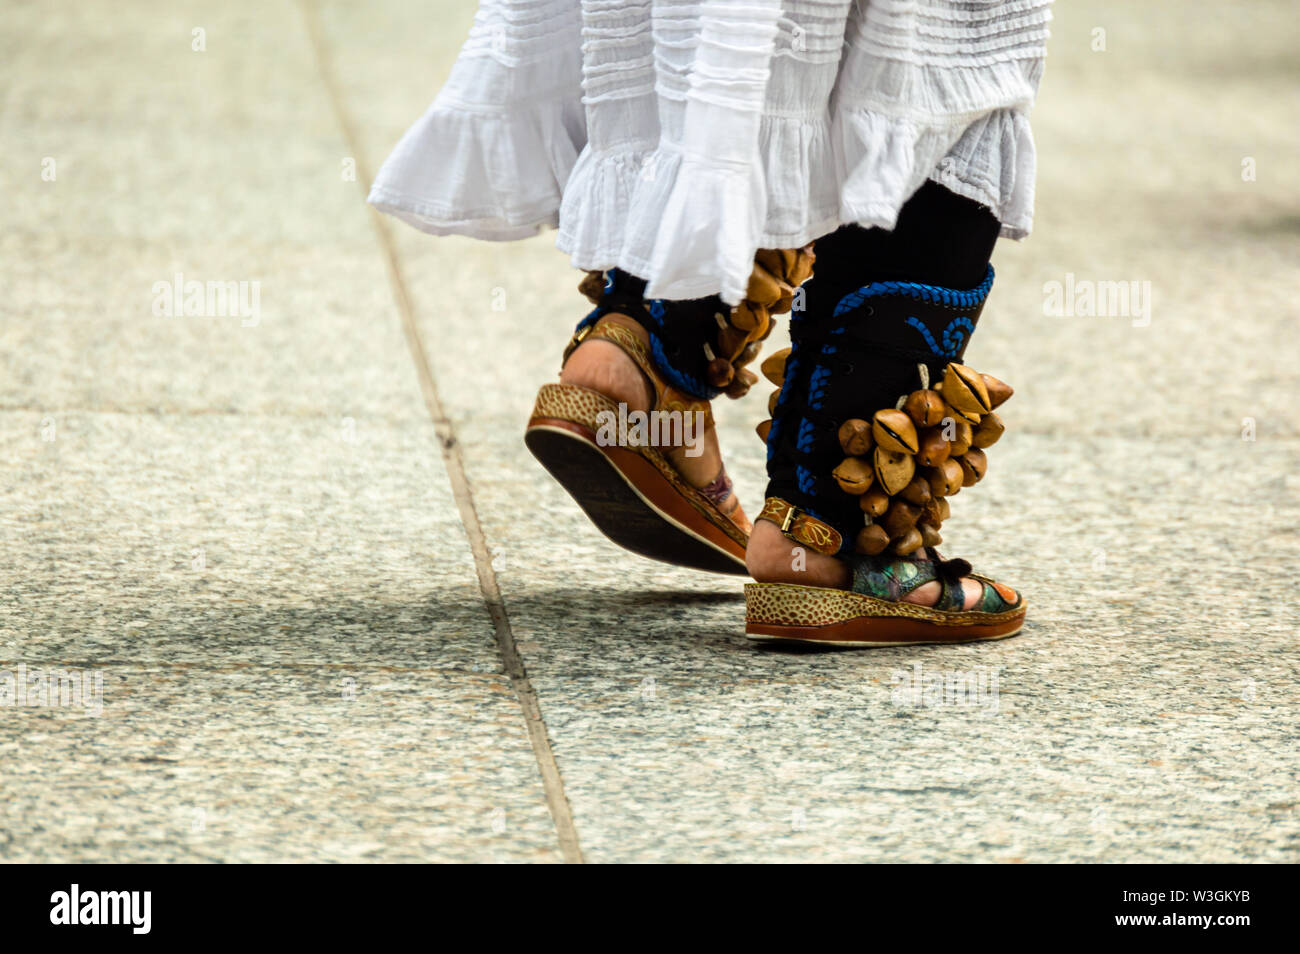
x=578 y=338
x=787 y=520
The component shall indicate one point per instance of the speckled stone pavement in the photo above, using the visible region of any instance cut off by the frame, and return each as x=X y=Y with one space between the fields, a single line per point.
x=331 y=610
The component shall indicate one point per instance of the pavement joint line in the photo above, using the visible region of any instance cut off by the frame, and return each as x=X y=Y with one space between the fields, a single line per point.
x=552 y=781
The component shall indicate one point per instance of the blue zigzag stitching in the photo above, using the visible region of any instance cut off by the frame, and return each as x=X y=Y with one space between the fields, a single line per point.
x=932 y=293
x=958 y=330
x=791 y=370
x=953 y=339
x=817 y=386
x=773 y=435
x=804 y=443
x=679 y=379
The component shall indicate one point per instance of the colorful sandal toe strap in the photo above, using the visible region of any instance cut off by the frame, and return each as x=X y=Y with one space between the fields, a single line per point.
x=892 y=579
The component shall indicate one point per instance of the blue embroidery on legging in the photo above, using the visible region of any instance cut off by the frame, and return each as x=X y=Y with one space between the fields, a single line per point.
x=953 y=297
x=954 y=336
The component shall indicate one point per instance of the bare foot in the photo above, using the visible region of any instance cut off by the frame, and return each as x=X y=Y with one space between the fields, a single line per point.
x=772 y=558
x=606 y=368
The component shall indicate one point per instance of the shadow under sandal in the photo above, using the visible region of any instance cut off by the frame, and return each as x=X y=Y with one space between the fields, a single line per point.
x=863 y=454
x=689 y=352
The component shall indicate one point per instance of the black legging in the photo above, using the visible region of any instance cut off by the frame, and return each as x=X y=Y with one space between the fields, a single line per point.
x=941 y=239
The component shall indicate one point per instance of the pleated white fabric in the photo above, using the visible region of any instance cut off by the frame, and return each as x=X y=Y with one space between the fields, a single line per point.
x=673 y=138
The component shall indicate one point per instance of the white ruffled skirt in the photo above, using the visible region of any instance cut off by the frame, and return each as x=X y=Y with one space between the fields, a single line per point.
x=673 y=138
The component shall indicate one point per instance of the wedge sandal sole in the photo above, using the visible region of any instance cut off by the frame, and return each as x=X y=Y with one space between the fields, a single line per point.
x=785 y=612
x=629 y=495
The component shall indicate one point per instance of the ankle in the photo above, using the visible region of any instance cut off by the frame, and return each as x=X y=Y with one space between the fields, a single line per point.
x=606 y=368
x=771 y=557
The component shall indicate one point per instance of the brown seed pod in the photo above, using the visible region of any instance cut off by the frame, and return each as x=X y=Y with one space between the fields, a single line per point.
x=964 y=390
x=773 y=366
x=792 y=265
x=900 y=517
x=764 y=287
x=855 y=437
x=894 y=470
x=593 y=286
x=854 y=475
x=925 y=408
x=974 y=465
x=917 y=491
x=874 y=502
x=988 y=430
x=945 y=480
x=934 y=450
x=998 y=391
x=775 y=260
x=871 y=540
x=801 y=268
x=962 y=416
x=720 y=372
x=731 y=342
x=894 y=431
x=762 y=429
x=741 y=383
x=771 y=402
x=935 y=512
x=929 y=535
x=748 y=353
x=962 y=436
x=909 y=542
x=748 y=315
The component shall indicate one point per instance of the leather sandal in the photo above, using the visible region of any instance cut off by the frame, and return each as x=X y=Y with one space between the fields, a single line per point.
x=632 y=491
x=690 y=352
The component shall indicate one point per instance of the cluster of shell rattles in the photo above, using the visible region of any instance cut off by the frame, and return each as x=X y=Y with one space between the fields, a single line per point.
x=906 y=462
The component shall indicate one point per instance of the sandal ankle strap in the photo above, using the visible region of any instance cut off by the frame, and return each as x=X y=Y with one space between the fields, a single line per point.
x=802 y=527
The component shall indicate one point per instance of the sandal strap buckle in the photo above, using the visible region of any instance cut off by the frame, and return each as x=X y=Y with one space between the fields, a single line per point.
x=802 y=527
